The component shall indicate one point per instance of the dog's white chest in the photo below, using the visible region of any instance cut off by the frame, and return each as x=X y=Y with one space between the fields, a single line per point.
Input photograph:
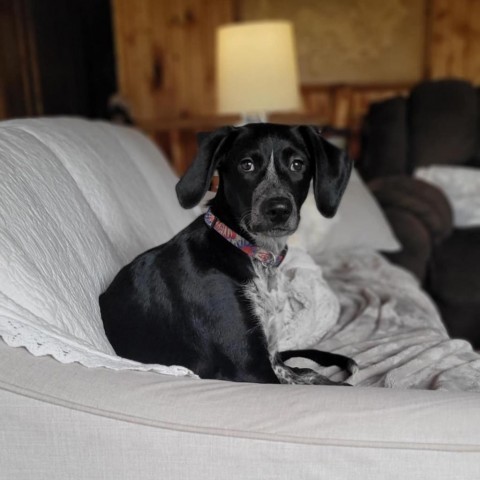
x=267 y=293
x=293 y=303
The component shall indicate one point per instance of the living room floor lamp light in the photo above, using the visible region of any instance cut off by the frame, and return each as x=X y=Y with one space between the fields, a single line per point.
x=256 y=69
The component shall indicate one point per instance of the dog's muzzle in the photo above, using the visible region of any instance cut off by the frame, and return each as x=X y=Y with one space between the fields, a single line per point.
x=275 y=217
x=276 y=210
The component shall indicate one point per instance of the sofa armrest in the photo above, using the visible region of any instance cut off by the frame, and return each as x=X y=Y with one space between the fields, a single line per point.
x=420 y=216
x=417 y=198
x=415 y=240
x=67 y=421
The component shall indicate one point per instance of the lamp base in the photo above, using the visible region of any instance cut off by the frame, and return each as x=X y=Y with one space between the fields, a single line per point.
x=253 y=118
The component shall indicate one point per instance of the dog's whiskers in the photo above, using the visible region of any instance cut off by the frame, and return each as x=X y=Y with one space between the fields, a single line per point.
x=245 y=220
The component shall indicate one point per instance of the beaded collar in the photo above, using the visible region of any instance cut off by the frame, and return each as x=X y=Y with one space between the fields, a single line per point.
x=266 y=258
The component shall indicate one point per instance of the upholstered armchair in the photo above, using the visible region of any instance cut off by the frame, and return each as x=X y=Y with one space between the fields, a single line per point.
x=437 y=124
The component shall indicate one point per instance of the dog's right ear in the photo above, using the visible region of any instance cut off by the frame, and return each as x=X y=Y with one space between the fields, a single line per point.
x=212 y=146
x=332 y=168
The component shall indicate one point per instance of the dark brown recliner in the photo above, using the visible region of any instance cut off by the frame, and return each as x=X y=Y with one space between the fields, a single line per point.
x=439 y=123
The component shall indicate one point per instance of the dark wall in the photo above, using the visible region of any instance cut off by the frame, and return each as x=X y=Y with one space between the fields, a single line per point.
x=61 y=54
x=16 y=95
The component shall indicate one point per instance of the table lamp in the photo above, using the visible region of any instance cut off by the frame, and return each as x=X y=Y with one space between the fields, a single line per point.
x=256 y=69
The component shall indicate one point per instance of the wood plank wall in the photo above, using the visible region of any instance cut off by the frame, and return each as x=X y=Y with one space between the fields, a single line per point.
x=165 y=55
x=454 y=39
x=165 y=60
x=165 y=65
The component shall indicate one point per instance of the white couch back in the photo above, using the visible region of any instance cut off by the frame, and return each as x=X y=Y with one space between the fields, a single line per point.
x=78 y=200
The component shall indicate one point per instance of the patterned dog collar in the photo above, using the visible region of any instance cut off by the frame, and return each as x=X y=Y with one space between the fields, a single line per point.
x=266 y=258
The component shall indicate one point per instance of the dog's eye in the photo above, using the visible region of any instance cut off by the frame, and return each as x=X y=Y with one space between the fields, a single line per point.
x=297 y=165
x=247 y=165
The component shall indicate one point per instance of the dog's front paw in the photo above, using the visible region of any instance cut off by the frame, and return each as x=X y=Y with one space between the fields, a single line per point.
x=352 y=367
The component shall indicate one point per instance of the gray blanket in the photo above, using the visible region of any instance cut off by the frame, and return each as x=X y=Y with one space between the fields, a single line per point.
x=391 y=328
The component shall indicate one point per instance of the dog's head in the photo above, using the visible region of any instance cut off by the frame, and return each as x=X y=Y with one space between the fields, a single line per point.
x=265 y=172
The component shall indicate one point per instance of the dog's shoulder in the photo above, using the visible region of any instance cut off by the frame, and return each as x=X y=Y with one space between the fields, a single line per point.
x=194 y=253
x=203 y=252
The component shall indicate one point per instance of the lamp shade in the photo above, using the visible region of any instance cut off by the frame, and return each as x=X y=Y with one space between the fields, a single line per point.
x=256 y=68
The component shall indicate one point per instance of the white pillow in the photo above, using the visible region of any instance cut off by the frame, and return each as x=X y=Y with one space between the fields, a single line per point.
x=461 y=186
x=359 y=222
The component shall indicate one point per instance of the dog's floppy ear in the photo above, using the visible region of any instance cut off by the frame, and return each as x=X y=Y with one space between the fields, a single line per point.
x=195 y=182
x=332 y=168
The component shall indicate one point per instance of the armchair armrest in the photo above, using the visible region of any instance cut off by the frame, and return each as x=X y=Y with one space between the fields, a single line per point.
x=418 y=198
x=420 y=216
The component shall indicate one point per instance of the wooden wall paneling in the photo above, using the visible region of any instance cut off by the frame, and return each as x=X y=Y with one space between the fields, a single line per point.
x=473 y=43
x=166 y=55
x=318 y=101
x=344 y=106
x=191 y=55
x=181 y=29
x=447 y=41
x=147 y=56
x=176 y=149
x=362 y=98
x=133 y=24
x=454 y=39
x=166 y=67
x=342 y=98
x=199 y=53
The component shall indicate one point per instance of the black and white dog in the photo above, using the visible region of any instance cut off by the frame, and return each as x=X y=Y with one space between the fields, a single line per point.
x=194 y=301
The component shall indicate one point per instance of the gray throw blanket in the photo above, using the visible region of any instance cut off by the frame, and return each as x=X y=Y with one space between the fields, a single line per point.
x=391 y=328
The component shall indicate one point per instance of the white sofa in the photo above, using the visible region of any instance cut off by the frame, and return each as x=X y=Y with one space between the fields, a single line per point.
x=96 y=195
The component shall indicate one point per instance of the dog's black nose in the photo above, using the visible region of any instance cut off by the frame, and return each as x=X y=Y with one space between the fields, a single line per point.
x=277 y=210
